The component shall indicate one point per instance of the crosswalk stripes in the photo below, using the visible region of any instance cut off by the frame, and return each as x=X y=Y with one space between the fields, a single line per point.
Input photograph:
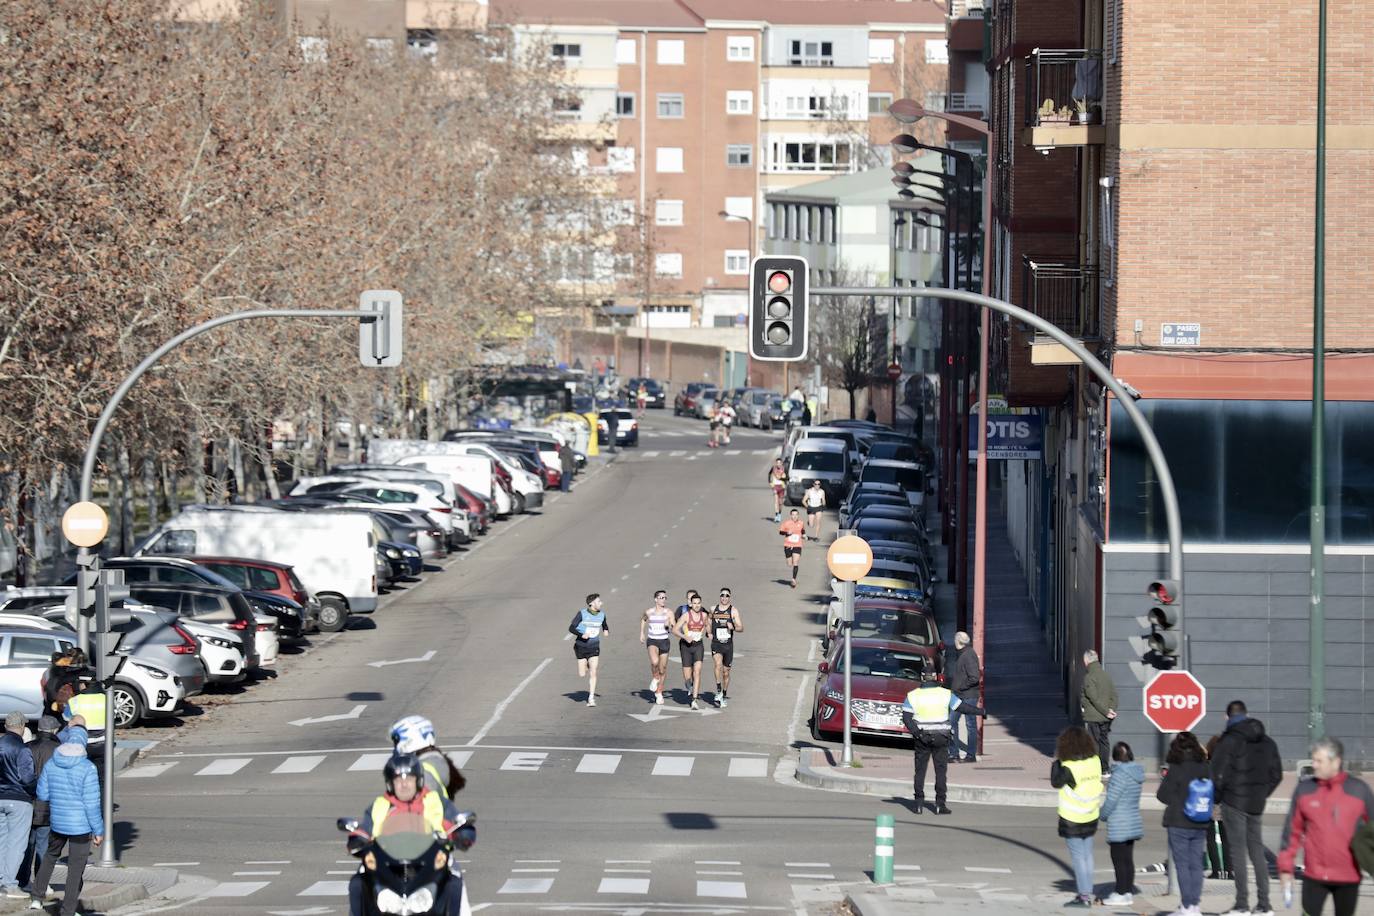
x=299 y=764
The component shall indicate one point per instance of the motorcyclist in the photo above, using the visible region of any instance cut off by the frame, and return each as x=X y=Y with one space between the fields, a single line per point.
x=416 y=735
x=406 y=795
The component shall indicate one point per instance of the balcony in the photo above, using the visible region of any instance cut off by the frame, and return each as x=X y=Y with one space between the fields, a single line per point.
x=1064 y=294
x=1063 y=103
x=966 y=9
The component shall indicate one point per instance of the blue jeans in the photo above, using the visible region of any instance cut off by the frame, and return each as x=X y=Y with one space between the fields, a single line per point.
x=1081 y=853
x=16 y=817
x=33 y=855
x=565 y=481
x=970 y=747
x=1185 y=858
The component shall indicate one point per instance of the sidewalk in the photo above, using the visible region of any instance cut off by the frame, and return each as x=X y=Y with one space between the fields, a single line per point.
x=104 y=889
x=1024 y=696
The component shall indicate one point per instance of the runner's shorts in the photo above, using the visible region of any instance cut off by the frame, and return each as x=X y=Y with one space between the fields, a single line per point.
x=691 y=652
x=660 y=644
x=726 y=651
x=584 y=649
x=789 y=551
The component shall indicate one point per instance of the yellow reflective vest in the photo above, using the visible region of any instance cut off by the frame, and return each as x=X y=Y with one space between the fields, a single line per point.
x=930 y=708
x=91 y=707
x=433 y=807
x=1080 y=803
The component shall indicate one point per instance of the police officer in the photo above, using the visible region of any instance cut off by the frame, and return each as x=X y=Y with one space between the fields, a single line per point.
x=926 y=714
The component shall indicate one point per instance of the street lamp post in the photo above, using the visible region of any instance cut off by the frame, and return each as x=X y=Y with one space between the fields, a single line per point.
x=748 y=352
x=909 y=111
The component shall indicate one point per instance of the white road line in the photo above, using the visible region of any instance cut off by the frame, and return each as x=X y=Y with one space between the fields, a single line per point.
x=225 y=767
x=651 y=454
x=538 y=861
x=906 y=868
x=719 y=872
x=346 y=871
x=763 y=451
x=636 y=566
x=326 y=889
x=806 y=864
x=627 y=862
x=703 y=453
x=523 y=761
x=373 y=762
x=598 y=763
x=238 y=888
x=715 y=862
x=147 y=771
x=814 y=876
x=526 y=886
x=677 y=454
x=627 y=871
x=534 y=871
x=270 y=862
x=254 y=874
x=673 y=766
x=733 y=889
x=986 y=868
x=647 y=555
x=624 y=577
x=623 y=886
x=298 y=764
x=501 y=707
x=174 y=864
x=749 y=767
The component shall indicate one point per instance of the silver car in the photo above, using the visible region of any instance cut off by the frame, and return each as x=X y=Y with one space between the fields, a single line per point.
x=706 y=402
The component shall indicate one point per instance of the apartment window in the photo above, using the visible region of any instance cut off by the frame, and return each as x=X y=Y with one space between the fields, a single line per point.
x=739 y=155
x=671 y=51
x=812 y=54
x=740 y=206
x=624 y=104
x=668 y=159
x=625 y=50
x=937 y=51
x=567 y=52
x=620 y=159
x=380 y=48
x=736 y=261
x=314 y=49
x=881 y=50
x=422 y=44
x=817 y=106
x=878 y=103
x=668 y=264
x=811 y=156
x=670 y=105
x=624 y=265
x=739 y=47
x=668 y=212
x=567 y=107
x=739 y=102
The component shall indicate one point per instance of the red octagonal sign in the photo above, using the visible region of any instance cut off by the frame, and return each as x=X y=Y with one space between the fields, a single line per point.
x=1175 y=701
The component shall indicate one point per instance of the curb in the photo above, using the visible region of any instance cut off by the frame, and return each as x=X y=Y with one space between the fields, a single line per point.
x=128 y=752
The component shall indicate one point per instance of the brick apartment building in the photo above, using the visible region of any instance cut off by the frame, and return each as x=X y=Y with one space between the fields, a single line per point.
x=1156 y=200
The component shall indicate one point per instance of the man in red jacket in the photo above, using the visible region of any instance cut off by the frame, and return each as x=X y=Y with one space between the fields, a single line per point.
x=1325 y=814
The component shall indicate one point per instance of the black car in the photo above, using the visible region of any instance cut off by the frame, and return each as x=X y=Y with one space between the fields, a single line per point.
x=657 y=398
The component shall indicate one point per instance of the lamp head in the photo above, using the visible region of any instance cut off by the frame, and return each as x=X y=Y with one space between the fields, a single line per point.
x=905 y=143
x=908 y=111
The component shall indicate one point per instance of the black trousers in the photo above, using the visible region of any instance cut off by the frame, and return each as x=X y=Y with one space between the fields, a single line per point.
x=932 y=745
x=1343 y=896
x=1123 y=863
x=78 y=852
x=1101 y=732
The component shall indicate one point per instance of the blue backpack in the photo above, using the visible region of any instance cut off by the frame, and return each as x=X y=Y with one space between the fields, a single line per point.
x=1197 y=807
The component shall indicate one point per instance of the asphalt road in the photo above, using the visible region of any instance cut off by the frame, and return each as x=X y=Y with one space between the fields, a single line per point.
x=625 y=807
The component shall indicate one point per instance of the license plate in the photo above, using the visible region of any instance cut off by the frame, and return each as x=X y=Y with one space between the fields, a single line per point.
x=887 y=721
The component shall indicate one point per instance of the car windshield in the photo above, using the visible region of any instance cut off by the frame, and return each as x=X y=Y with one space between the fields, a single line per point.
x=883 y=663
x=906 y=478
x=894 y=451
x=903 y=625
x=843 y=437
x=886 y=530
x=818 y=461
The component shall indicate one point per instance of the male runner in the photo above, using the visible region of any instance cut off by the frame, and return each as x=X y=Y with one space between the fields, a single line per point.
x=690 y=630
x=589 y=625
x=793 y=531
x=814 y=500
x=725 y=623
x=654 y=628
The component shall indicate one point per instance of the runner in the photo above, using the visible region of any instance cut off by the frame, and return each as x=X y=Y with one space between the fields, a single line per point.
x=589 y=625
x=641 y=398
x=814 y=500
x=677 y=615
x=713 y=420
x=777 y=479
x=654 y=628
x=792 y=531
x=725 y=623
x=727 y=420
x=690 y=629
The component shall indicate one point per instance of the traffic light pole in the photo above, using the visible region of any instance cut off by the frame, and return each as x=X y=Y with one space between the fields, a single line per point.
x=1153 y=450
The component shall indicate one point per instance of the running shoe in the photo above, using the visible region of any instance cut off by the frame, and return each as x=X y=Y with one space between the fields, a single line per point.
x=794 y=583
x=658 y=699
x=694 y=703
x=724 y=701
x=653 y=685
x=777 y=517
x=591 y=701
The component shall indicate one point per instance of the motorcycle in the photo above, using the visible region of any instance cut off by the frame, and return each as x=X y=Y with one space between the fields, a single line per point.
x=408 y=870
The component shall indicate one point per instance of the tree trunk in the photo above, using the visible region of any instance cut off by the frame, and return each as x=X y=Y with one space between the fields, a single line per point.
x=196 y=453
x=126 y=501
x=269 y=470
x=150 y=491
x=325 y=449
x=21 y=534
x=237 y=484
x=852 y=407
x=432 y=410
x=170 y=479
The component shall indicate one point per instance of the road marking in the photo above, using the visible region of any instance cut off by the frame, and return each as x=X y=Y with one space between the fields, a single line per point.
x=906 y=867
x=346 y=871
x=647 y=555
x=764 y=451
x=460 y=758
x=373 y=762
x=298 y=764
x=239 y=888
x=526 y=886
x=718 y=872
x=354 y=713
x=636 y=566
x=627 y=871
x=985 y=868
x=326 y=889
x=748 y=767
x=174 y=864
x=598 y=763
x=703 y=453
x=623 y=886
x=534 y=871
x=225 y=767
x=673 y=766
x=814 y=876
x=624 y=577
x=403 y=661
x=147 y=771
x=806 y=864
x=791 y=737
x=716 y=862
x=660 y=713
x=524 y=761
x=537 y=861
x=270 y=862
x=627 y=861
x=733 y=889
x=651 y=454
x=254 y=874
x=501 y=707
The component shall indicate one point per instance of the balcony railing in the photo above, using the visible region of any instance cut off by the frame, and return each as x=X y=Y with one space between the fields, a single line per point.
x=967 y=101
x=1063 y=87
x=965 y=9
x=1062 y=293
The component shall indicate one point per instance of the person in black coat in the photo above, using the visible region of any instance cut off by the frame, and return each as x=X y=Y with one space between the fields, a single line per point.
x=43 y=746
x=1185 y=763
x=1246 y=769
x=964 y=679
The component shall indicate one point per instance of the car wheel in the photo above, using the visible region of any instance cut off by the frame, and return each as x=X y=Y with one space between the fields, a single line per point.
x=128 y=706
x=333 y=615
x=518 y=503
x=816 y=732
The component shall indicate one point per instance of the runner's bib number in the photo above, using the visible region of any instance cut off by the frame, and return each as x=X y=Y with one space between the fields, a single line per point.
x=794 y=538
x=592 y=631
x=694 y=635
x=722 y=634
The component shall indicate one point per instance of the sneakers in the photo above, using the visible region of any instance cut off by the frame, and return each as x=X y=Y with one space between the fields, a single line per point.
x=591 y=701
x=943 y=809
x=35 y=904
x=1080 y=901
x=724 y=701
x=794 y=583
x=653 y=685
x=694 y=703
x=1262 y=911
x=658 y=698
x=777 y=517
x=1115 y=899
x=1239 y=911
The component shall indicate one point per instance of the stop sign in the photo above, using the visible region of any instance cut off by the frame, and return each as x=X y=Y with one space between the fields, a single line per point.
x=894 y=371
x=1175 y=701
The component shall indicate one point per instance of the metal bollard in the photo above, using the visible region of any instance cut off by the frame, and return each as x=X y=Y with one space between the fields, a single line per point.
x=883 y=841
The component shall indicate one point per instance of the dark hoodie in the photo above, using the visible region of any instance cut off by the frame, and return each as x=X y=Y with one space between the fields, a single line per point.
x=1246 y=768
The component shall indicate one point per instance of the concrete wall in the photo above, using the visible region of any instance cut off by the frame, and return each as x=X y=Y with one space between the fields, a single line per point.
x=1246 y=615
x=674 y=362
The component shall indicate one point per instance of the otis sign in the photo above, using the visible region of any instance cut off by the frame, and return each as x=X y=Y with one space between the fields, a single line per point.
x=1175 y=701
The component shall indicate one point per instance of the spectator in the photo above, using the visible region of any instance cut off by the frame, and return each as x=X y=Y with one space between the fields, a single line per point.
x=1246 y=770
x=16 y=802
x=1186 y=779
x=1099 y=704
x=1321 y=824
x=567 y=464
x=1121 y=811
x=965 y=678
x=871 y=416
x=42 y=747
x=1217 y=829
x=71 y=788
x=1077 y=774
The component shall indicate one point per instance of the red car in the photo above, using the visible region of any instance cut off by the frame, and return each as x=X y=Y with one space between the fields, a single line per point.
x=276 y=579
x=884 y=672
x=476 y=506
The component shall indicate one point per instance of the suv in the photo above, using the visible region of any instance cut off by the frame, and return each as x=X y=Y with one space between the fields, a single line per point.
x=268 y=578
x=227 y=608
x=686 y=400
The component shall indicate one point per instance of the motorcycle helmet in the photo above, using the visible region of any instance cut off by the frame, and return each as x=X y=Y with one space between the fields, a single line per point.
x=402 y=765
x=413 y=734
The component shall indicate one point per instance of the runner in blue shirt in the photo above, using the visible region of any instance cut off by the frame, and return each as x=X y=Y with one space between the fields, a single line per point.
x=589 y=625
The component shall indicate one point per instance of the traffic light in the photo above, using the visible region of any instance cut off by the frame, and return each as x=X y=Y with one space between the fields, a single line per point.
x=379 y=339
x=1166 y=625
x=777 y=309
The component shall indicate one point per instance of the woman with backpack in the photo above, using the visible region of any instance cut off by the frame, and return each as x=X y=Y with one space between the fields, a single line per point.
x=1186 y=792
x=1121 y=811
x=1077 y=774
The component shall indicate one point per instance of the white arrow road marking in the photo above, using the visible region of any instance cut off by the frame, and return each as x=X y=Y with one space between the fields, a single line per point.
x=353 y=713
x=403 y=661
x=661 y=712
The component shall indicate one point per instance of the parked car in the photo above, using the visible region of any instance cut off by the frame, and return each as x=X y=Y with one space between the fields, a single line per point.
x=706 y=402
x=754 y=407
x=268 y=578
x=221 y=653
x=17 y=600
x=891 y=450
x=686 y=400
x=227 y=608
x=884 y=618
x=884 y=671
x=626 y=430
x=818 y=459
x=657 y=397
x=911 y=477
x=781 y=412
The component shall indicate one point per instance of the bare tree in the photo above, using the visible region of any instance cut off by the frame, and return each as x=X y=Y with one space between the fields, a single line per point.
x=848 y=333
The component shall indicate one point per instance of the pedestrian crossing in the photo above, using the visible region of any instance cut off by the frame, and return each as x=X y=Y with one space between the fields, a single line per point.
x=694 y=454
x=703 y=432
x=627 y=763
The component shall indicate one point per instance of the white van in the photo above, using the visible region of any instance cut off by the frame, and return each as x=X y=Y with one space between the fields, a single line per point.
x=333 y=553
x=472 y=471
x=529 y=488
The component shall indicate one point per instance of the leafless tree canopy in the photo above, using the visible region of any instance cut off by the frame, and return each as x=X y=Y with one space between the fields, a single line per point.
x=848 y=333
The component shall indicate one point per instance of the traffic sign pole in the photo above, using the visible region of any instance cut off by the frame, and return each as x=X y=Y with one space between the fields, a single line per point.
x=847 y=602
x=849 y=558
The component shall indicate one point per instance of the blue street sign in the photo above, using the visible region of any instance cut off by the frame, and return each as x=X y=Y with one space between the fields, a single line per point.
x=1009 y=436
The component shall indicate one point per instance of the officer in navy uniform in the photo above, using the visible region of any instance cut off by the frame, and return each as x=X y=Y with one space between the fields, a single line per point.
x=926 y=714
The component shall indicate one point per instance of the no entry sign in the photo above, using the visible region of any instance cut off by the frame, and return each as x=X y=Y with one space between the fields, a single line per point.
x=1175 y=701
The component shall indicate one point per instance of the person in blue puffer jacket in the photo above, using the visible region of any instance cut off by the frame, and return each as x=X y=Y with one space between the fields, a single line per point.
x=1121 y=811
x=71 y=787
